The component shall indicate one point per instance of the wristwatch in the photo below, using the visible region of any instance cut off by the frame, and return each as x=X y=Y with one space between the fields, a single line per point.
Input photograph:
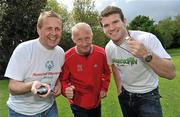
x=148 y=57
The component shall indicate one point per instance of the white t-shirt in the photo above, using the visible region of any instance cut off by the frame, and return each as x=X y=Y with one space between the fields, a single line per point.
x=137 y=76
x=31 y=61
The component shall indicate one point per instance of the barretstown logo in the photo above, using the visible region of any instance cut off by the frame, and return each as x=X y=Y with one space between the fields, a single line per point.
x=124 y=62
x=49 y=65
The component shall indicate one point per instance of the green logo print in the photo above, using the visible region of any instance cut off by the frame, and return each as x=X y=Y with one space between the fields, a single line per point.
x=123 y=62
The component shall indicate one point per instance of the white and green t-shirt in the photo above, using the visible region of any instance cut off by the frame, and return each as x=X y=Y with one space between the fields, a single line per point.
x=137 y=76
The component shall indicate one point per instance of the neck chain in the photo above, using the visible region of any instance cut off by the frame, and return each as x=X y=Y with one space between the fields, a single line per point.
x=126 y=39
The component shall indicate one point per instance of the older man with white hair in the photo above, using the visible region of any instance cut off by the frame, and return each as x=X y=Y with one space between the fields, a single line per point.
x=85 y=76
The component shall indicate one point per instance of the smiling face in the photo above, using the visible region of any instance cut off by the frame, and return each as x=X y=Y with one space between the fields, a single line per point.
x=114 y=27
x=50 y=32
x=82 y=37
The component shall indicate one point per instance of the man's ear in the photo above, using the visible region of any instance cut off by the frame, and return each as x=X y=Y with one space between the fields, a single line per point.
x=125 y=22
x=73 y=40
x=38 y=30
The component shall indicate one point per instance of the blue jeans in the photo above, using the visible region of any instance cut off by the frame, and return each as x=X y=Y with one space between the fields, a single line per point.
x=81 y=112
x=140 y=105
x=51 y=112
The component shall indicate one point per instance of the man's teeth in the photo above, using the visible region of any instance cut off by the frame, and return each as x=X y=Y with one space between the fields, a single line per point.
x=52 y=38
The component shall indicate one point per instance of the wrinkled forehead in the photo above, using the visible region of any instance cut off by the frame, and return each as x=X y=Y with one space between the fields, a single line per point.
x=82 y=31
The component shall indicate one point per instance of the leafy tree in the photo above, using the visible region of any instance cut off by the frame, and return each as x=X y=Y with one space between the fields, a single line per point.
x=176 y=40
x=84 y=11
x=3 y=5
x=18 y=24
x=142 y=23
x=58 y=8
x=167 y=29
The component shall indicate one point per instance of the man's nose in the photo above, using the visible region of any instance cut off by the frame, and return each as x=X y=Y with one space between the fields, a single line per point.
x=111 y=27
x=85 y=42
x=53 y=31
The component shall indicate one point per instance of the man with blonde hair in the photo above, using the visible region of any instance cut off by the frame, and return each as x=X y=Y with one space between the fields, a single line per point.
x=85 y=76
x=34 y=65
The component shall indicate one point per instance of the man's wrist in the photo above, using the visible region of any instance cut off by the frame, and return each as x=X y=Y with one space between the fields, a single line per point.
x=148 y=57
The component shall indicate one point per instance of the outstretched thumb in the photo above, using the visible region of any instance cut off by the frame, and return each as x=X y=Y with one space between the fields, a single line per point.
x=72 y=86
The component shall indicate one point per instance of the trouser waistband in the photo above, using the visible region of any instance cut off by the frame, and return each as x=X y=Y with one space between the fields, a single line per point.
x=124 y=91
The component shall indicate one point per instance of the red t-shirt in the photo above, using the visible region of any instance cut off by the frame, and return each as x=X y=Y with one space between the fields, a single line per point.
x=89 y=74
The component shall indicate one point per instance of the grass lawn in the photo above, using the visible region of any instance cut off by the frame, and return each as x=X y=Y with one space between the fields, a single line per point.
x=169 y=90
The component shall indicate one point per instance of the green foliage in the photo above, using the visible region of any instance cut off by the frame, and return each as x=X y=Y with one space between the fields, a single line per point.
x=18 y=24
x=176 y=36
x=66 y=41
x=58 y=8
x=19 y=20
x=84 y=11
x=100 y=38
x=3 y=5
x=142 y=23
x=167 y=29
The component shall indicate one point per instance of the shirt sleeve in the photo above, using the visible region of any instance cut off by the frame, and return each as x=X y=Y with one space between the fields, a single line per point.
x=156 y=47
x=106 y=76
x=64 y=78
x=108 y=54
x=18 y=64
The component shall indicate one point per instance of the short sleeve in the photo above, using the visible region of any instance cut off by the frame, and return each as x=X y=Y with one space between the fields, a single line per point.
x=18 y=64
x=108 y=54
x=156 y=47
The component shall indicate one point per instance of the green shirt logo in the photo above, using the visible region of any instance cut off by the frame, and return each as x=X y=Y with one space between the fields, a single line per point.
x=123 y=62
